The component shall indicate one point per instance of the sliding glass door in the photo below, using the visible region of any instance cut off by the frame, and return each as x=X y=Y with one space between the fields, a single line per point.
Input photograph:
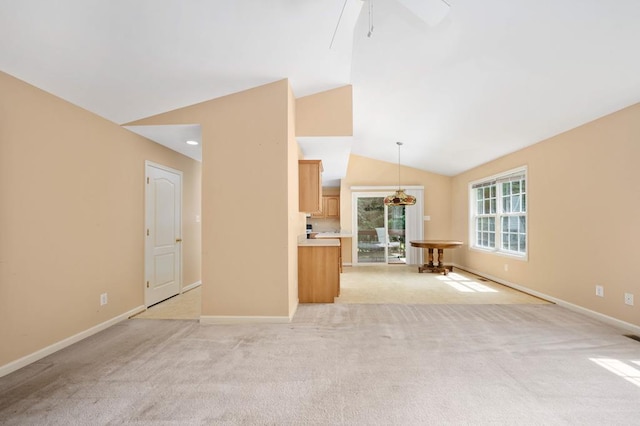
x=380 y=231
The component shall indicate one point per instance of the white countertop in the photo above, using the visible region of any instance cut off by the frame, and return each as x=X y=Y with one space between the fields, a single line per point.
x=322 y=242
x=341 y=234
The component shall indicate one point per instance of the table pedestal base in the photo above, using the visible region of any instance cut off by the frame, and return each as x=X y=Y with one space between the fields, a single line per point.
x=439 y=245
x=431 y=267
x=444 y=269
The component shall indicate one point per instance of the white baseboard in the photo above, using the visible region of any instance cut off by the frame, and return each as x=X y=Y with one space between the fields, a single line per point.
x=191 y=286
x=576 y=308
x=295 y=309
x=38 y=355
x=230 y=319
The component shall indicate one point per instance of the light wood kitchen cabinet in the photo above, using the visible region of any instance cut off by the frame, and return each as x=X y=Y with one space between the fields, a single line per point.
x=330 y=208
x=310 y=186
x=318 y=274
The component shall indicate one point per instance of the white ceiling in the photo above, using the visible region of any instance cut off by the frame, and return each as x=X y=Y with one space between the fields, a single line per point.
x=459 y=85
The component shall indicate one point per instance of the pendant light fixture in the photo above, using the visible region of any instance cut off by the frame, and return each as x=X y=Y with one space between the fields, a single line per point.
x=399 y=198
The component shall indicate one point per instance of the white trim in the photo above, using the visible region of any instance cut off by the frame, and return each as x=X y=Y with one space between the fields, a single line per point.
x=522 y=170
x=191 y=286
x=38 y=355
x=384 y=188
x=162 y=166
x=414 y=223
x=576 y=308
x=497 y=176
x=232 y=319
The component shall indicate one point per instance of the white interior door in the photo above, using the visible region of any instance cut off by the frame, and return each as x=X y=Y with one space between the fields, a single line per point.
x=163 y=255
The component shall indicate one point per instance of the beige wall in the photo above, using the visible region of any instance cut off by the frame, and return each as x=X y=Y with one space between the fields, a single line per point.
x=72 y=218
x=327 y=113
x=296 y=220
x=248 y=199
x=364 y=171
x=583 y=216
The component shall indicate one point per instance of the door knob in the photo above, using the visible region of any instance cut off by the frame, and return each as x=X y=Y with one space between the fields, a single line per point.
x=178 y=240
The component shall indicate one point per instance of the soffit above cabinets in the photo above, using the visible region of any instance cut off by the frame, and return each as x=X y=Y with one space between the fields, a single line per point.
x=334 y=152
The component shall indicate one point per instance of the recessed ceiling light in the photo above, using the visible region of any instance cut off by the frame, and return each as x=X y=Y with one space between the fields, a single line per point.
x=192 y=142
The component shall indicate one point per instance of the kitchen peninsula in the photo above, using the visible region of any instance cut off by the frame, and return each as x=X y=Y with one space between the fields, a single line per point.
x=340 y=235
x=318 y=270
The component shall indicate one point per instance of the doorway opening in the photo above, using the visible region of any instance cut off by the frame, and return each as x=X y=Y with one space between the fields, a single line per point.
x=163 y=232
x=380 y=231
x=382 y=234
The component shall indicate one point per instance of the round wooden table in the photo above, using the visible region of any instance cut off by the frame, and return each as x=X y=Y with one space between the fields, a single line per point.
x=439 y=245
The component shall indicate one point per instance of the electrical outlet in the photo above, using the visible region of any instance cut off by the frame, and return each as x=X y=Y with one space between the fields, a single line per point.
x=506 y=267
x=599 y=291
x=103 y=299
x=628 y=299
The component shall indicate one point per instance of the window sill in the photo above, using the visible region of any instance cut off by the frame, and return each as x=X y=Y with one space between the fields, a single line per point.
x=510 y=255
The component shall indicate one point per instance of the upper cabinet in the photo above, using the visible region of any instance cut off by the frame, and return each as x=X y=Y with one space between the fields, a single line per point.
x=310 y=183
x=330 y=208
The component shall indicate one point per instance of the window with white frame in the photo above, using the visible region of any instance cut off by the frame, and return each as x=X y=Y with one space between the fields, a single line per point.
x=499 y=213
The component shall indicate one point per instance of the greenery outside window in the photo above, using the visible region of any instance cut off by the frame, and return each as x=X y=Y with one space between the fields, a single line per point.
x=499 y=213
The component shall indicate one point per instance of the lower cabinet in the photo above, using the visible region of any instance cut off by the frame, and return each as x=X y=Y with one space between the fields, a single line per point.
x=318 y=273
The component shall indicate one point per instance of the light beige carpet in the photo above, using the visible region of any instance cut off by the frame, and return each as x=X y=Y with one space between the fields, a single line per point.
x=379 y=284
x=403 y=284
x=341 y=364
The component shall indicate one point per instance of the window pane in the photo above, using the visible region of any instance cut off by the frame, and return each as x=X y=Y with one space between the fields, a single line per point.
x=523 y=184
x=524 y=202
x=513 y=241
x=513 y=224
x=499 y=201
x=506 y=204
x=523 y=244
x=515 y=203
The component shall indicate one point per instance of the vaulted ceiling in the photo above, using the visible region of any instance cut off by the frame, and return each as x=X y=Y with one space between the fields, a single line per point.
x=460 y=82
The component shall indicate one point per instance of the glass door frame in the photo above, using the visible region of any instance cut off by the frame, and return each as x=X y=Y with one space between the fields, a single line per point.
x=355 y=242
x=414 y=225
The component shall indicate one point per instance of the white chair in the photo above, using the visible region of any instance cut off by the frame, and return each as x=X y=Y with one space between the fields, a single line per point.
x=383 y=239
